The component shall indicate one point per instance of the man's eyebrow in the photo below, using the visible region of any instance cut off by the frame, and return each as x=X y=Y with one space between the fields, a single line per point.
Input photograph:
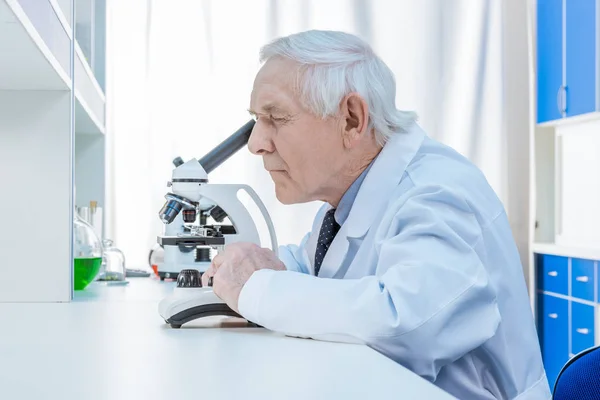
x=268 y=109
x=272 y=108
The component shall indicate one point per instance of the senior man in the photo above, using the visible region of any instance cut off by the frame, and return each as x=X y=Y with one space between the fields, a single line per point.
x=411 y=253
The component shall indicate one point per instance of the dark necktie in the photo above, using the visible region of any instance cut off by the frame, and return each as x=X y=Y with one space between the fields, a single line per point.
x=329 y=229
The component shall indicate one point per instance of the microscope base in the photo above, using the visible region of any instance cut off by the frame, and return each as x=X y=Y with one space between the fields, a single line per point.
x=187 y=304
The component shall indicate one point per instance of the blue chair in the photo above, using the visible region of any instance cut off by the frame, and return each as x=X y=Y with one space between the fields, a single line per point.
x=579 y=379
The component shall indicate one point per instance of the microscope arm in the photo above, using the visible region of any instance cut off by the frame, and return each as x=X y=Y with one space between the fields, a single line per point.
x=225 y=195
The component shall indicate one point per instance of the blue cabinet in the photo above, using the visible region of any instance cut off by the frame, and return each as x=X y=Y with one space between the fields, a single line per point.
x=549 y=59
x=566 y=304
x=566 y=58
x=582 y=279
x=554 y=274
x=582 y=327
x=580 y=31
x=553 y=326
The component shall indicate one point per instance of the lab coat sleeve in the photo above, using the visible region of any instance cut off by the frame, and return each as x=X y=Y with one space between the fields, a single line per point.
x=294 y=257
x=429 y=303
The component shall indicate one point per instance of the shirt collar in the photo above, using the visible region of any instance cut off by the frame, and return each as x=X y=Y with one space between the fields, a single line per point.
x=345 y=204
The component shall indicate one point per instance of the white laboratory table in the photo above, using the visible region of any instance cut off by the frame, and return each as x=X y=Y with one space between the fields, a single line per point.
x=110 y=343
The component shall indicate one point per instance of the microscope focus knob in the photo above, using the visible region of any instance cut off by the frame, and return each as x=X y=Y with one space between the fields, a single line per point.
x=189 y=278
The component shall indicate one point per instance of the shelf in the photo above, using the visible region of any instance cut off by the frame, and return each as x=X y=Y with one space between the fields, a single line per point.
x=50 y=96
x=85 y=121
x=566 y=251
x=90 y=104
x=90 y=98
x=593 y=116
x=64 y=10
x=35 y=52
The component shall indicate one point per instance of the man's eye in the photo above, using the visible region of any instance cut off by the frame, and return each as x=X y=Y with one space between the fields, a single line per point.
x=278 y=119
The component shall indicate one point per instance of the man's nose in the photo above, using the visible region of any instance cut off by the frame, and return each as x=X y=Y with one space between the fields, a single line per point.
x=260 y=140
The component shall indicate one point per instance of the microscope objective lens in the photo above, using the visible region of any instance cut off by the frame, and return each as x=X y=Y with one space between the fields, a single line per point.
x=189 y=216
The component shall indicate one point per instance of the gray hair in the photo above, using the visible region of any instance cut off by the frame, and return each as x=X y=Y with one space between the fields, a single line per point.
x=333 y=64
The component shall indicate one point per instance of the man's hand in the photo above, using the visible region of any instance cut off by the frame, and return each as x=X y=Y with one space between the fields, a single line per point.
x=232 y=268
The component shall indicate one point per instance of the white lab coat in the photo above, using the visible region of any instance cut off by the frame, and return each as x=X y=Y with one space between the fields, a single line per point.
x=424 y=270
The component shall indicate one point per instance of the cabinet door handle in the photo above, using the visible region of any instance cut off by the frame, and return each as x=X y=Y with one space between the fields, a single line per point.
x=583 y=331
x=582 y=279
x=553 y=273
x=553 y=315
x=561 y=99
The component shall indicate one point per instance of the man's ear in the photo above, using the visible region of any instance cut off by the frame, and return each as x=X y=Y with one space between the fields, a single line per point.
x=355 y=118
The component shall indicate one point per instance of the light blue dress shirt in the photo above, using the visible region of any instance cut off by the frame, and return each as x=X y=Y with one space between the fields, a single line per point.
x=345 y=205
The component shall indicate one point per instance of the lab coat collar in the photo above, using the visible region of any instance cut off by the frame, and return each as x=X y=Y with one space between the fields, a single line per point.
x=382 y=179
x=384 y=176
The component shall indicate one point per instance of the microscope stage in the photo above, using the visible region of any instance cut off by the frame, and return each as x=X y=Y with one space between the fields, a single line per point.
x=191 y=241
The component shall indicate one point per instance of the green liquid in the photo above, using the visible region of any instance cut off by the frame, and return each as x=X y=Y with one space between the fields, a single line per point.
x=86 y=270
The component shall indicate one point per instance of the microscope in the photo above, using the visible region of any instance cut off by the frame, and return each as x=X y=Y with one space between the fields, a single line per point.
x=193 y=214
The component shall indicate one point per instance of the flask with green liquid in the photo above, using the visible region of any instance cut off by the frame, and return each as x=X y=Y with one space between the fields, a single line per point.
x=87 y=253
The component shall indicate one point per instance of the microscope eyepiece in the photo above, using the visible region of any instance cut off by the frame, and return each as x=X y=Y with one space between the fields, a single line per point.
x=227 y=148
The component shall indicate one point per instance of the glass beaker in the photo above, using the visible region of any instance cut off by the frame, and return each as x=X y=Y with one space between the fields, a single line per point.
x=113 y=263
x=87 y=253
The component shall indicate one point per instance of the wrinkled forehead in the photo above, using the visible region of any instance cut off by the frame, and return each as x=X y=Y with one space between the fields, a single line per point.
x=275 y=82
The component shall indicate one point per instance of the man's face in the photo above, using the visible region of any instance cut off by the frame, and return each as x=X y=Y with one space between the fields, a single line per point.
x=302 y=152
